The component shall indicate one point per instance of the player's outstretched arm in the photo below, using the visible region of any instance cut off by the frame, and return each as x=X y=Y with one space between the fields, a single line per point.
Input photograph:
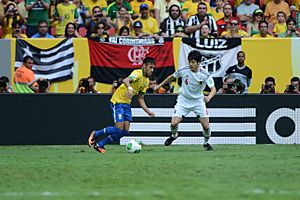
x=167 y=80
x=126 y=82
x=212 y=93
x=142 y=103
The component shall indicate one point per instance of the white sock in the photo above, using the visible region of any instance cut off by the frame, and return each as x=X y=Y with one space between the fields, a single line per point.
x=206 y=134
x=174 y=131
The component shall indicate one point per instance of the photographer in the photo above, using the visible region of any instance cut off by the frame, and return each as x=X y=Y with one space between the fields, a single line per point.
x=40 y=85
x=17 y=30
x=291 y=29
x=116 y=84
x=294 y=87
x=228 y=86
x=100 y=30
x=86 y=85
x=269 y=86
x=123 y=18
x=96 y=18
x=3 y=87
x=11 y=14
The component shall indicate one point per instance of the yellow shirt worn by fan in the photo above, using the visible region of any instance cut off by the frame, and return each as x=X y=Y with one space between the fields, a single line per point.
x=139 y=84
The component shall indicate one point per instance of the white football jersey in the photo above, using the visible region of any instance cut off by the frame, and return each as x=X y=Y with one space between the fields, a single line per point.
x=193 y=83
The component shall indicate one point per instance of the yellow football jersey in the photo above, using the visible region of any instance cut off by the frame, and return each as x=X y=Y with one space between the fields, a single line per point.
x=139 y=83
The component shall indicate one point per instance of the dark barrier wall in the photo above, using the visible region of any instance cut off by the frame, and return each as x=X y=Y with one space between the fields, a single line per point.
x=69 y=118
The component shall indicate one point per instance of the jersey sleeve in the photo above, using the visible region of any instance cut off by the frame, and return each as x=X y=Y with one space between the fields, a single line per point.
x=210 y=82
x=134 y=76
x=177 y=74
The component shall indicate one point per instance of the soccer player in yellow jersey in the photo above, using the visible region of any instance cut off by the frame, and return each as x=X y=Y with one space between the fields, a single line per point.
x=135 y=84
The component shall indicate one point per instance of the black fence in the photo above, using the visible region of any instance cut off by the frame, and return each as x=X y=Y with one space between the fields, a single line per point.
x=69 y=118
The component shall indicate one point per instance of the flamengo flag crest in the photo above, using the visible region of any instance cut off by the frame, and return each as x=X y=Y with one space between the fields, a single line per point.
x=55 y=63
x=218 y=54
x=117 y=57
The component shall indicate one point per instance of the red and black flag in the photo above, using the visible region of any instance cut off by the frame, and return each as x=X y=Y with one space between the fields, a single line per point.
x=117 y=57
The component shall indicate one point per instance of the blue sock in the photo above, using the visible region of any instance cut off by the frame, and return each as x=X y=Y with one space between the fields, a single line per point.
x=107 y=131
x=112 y=137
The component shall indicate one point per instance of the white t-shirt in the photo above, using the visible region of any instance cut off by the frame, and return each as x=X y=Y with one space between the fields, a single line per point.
x=193 y=83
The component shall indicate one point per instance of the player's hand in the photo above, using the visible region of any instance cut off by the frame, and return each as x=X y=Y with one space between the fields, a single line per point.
x=206 y=99
x=129 y=94
x=151 y=114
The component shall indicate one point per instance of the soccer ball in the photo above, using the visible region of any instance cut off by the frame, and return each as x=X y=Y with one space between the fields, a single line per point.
x=134 y=146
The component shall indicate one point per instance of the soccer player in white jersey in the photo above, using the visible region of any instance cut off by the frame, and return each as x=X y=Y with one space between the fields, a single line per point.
x=191 y=98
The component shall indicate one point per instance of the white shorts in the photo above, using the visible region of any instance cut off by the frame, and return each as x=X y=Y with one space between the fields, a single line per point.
x=184 y=106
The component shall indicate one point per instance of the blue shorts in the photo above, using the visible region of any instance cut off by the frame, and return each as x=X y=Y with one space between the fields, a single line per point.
x=121 y=112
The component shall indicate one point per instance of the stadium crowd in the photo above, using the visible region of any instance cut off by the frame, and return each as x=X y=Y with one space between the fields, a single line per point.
x=140 y=18
x=151 y=18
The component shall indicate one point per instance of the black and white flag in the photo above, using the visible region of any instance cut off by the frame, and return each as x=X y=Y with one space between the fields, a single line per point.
x=55 y=63
x=218 y=54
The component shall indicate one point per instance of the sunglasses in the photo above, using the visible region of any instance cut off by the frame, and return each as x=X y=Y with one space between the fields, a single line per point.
x=234 y=24
x=260 y=15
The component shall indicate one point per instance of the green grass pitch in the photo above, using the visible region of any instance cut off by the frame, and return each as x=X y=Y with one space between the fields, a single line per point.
x=158 y=172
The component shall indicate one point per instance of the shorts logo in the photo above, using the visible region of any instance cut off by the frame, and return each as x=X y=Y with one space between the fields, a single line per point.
x=119 y=116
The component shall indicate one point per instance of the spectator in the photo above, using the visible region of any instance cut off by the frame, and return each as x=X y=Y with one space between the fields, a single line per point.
x=22 y=10
x=291 y=29
x=97 y=17
x=280 y=25
x=241 y=72
x=124 y=31
x=135 y=5
x=138 y=29
x=82 y=11
x=100 y=30
x=234 y=31
x=245 y=11
x=17 y=30
x=115 y=7
x=150 y=26
x=42 y=31
x=189 y=8
x=195 y=22
x=3 y=5
x=224 y=23
x=169 y=25
x=37 y=11
x=71 y=31
x=294 y=87
x=90 y=4
x=161 y=9
x=11 y=15
x=218 y=11
x=257 y=17
x=123 y=18
x=269 y=86
x=228 y=86
x=152 y=84
x=65 y=12
x=274 y=7
x=86 y=85
x=205 y=32
x=263 y=30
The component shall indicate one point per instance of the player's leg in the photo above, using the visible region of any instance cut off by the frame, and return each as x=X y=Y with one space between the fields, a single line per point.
x=201 y=113
x=206 y=132
x=174 y=130
x=180 y=111
x=112 y=133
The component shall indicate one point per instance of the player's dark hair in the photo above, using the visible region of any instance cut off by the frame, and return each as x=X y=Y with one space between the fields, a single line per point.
x=195 y=55
x=27 y=58
x=268 y=79
x=149 y=60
